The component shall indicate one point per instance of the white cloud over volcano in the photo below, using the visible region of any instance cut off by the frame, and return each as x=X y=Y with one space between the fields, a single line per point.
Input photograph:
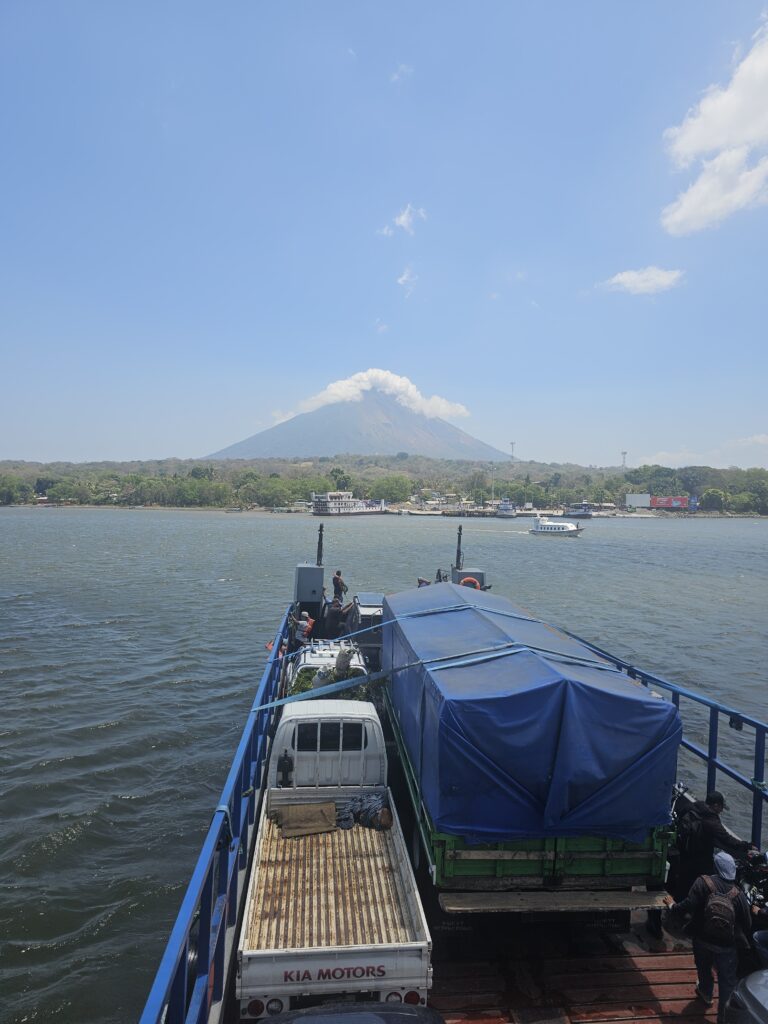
x=403 y=390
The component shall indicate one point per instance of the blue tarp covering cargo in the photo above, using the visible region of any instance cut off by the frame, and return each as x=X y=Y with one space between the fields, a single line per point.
x=516 y=730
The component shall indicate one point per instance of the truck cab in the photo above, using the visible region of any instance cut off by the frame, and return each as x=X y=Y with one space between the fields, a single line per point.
x=324 y=745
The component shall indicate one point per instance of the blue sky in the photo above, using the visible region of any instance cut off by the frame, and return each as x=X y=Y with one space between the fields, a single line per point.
x=553 y=215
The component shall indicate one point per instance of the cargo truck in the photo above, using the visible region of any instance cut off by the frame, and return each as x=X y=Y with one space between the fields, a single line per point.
x=540 y=774
x=332 y=913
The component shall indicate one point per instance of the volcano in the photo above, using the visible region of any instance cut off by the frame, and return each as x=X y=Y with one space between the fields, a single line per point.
x=376 y=424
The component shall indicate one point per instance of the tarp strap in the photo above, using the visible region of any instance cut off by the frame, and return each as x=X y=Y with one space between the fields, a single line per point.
x=490 y=654
x=417 y=615
x=436 y=664
x=377 y=677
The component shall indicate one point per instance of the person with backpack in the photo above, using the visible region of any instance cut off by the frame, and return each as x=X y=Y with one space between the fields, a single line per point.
x=720 y=926
x=699 y=833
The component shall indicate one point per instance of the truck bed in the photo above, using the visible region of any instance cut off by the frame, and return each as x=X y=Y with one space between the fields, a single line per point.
x=355 y=891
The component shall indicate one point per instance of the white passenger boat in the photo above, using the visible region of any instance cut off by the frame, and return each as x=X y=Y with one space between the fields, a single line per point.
x=543 y=525
x=341 y=503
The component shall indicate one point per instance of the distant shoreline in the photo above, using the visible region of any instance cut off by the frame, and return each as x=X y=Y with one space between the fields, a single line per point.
x=645 y=514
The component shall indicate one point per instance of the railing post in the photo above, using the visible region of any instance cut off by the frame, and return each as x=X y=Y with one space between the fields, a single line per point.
x=178 y=994
x=758 y=791
x=204 y=930
x=712 y=750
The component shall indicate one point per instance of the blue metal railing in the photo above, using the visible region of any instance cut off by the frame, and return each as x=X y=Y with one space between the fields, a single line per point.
x=190 y=981
x=756 y=785
x=192 y=993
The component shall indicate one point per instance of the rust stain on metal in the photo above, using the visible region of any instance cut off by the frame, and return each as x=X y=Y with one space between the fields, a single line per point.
x=349 y=886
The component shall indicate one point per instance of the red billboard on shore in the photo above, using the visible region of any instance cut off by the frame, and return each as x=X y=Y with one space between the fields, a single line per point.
x=680 y=502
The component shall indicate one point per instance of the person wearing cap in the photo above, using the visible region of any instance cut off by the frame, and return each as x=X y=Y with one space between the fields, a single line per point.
x=721 y=955
x=708 y=835
x=302 y=627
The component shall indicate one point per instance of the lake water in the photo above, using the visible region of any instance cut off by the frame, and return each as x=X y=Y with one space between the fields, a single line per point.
x=131 y=642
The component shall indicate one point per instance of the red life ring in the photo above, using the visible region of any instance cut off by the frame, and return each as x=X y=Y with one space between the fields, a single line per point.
x=470 y=581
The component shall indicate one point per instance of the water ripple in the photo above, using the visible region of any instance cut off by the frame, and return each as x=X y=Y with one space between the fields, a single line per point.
x=130 y=647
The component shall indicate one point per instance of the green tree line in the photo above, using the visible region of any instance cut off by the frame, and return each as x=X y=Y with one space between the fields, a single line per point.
x=270 y=483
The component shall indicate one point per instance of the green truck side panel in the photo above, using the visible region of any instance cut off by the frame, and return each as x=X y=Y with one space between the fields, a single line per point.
x=571 y=859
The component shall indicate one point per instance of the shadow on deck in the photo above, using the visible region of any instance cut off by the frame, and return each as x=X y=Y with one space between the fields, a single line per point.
x=541 y=976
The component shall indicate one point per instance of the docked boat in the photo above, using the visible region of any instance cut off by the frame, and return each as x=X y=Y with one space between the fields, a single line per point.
x=507 y=509
x=555 y=529
x=424 y=512
x=342 y=503
x=579 y=510
x=502 y=824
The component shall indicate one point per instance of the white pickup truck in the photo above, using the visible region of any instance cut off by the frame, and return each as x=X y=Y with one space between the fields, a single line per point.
x=335 y=914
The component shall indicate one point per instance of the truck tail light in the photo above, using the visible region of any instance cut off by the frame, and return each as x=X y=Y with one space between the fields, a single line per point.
x=410 y=997
x=274 y=1006
x=255 y=1008
x=393 y=997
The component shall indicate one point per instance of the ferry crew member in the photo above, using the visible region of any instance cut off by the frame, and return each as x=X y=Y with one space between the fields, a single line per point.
x=718 y=933
x=303 y=628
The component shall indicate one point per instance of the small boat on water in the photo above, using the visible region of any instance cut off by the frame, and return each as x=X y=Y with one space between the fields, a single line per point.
x=543 y=525
x=507 y=509
x=579 y=510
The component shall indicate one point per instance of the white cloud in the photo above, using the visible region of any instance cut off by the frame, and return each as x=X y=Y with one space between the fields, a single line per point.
x=681 y=457
x=754 y=439
x=404 y=220
x=407 y=280
x=402 y=72
x=644 y=282
x=727 y=134
x=726 y=184
x=406 y=217
x=352 y=389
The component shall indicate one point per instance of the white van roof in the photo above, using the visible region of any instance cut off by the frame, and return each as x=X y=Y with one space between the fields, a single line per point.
x=330 y=709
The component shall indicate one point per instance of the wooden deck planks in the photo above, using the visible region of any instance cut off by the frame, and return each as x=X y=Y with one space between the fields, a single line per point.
x=608 y=988
x=352 y=887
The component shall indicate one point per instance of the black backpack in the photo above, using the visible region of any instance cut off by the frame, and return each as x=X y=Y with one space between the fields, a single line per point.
x=720 y=914
x=690 y=832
